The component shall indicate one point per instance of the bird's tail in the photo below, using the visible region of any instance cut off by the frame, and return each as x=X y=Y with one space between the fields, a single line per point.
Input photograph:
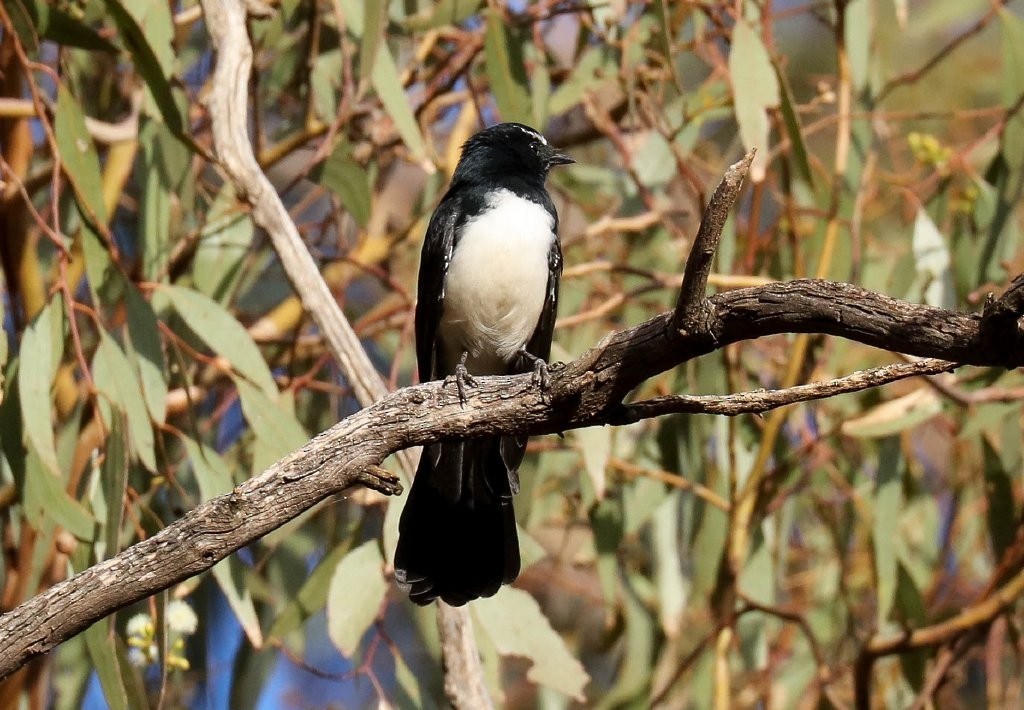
x=457 y=535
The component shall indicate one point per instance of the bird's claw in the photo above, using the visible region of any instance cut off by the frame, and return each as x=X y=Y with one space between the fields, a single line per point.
x=462 y=379
x=541 y=370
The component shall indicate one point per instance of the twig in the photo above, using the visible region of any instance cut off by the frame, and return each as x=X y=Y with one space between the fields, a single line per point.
x=692 y=305
x=758 y=401
x=912 y=77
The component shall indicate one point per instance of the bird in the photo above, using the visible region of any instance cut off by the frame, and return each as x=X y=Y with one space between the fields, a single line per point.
x=486 y=301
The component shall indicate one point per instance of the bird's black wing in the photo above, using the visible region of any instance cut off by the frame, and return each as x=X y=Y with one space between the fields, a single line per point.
x=539 y=344
x=438 y=246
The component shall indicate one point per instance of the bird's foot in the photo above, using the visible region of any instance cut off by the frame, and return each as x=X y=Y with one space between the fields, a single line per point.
x=462 y=378
x=541 y=370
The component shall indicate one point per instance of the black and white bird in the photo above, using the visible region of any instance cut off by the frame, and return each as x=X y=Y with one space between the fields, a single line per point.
x=487 y=296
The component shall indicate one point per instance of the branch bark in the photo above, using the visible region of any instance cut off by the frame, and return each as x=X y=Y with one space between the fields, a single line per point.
x=585 y=392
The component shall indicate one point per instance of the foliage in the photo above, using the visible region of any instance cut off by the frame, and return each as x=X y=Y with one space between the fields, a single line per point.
x=153 y=354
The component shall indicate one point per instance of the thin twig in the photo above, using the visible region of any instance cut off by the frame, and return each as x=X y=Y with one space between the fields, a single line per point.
x=757 y=401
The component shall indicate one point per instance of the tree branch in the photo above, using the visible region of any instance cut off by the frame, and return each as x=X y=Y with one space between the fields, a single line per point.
x=692 y=306
x=585 y=392
x=757 y=401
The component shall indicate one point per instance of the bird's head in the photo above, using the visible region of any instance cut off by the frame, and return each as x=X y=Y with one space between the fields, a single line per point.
x=509 y=148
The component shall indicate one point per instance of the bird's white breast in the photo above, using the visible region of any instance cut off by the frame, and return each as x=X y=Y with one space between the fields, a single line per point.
x=496 y=283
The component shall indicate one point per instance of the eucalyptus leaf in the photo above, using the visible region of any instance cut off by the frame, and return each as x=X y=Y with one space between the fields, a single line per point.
x=888 y=493
x=505 y=70
x=755 y=89
x=219 y=329
x=354 y=597
x=513 y=621
x=78 y=157
x=115 y=377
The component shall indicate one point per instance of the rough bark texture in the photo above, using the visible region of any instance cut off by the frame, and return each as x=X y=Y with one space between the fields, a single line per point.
x=585 y=392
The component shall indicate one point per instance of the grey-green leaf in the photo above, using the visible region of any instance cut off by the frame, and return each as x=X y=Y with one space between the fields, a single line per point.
x=41 y=348
x=115 y=378
x=755 y=89
x=346 y=178
x=505 y=69
x=354 y=597
x=146 y=353
x=219 y=329
x=515 y=624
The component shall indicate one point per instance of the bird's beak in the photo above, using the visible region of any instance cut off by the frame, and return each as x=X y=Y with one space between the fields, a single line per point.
x=552 y=157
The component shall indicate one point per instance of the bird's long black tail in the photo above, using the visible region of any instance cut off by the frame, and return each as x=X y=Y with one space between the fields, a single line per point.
x=457 y=535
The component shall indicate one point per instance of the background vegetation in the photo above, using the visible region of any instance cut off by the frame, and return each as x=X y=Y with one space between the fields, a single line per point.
x=153 y=353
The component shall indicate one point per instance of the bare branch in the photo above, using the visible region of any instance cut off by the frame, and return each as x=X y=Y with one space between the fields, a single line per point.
x=463 y=676
x=691 y=308
x=758 y=401
x=228 y=106
x=583 y=393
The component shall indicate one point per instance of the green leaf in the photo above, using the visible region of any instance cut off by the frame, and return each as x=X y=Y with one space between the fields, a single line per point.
x=388 y=86
x=223 y=246
x=273 y=425
x=105 y=282
x=163 y=167
x=212 y=474
x=672 y=585
x=64 y=29
x=230 y=575
x=346 y=178
x=910 y=608
x=356 y=592
x=324 y=82
x=606 y=521
x=145 y=352
x=755 y=89
x=888 y=492
x=113 y=482
x=27 y=21
x=1013 y=85
x=41 y=349
x=99 y=641
x=148 y=65
x=218 y=329
x=78 y=158
x=517 y=627
x=115 y=378
x=793 y=128
x=858 y=40
x=505 y=70
x=310 y=598
x=633 y=677
x=375 y=22
x=595 y=444
x=1002 y=515
x=45 y=501
x=593 y=72
x=443 y=13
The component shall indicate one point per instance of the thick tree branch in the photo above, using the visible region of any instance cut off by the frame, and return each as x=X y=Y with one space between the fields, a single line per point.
x=585 y=392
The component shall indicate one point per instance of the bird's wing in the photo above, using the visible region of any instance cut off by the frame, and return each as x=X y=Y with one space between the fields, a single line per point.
x=539 y=344
x=438 y=246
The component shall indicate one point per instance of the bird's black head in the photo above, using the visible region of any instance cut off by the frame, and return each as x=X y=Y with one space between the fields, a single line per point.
x=507 y=149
